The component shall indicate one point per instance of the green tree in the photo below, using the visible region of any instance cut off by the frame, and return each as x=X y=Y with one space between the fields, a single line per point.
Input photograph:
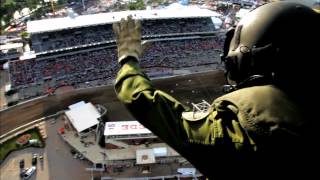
x=32 y=4
x=24 y=34
x=138 y=5
x=6 y=12
x=7 y=9
x=61 y=2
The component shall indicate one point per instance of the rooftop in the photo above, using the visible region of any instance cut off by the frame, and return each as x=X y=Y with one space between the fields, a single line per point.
x=83 y=115
x=55 y=24
x=11 y=46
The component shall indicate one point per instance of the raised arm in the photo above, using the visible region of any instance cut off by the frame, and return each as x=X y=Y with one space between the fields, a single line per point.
x=155 y=109
x=214 y=137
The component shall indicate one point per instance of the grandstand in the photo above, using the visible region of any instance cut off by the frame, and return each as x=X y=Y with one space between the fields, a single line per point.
x=63 y=33
x=81 y=51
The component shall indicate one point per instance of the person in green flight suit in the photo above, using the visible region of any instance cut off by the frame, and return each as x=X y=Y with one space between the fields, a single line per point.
x=260 y=129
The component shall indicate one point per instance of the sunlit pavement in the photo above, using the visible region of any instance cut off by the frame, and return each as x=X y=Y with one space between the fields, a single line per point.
x=58 y=162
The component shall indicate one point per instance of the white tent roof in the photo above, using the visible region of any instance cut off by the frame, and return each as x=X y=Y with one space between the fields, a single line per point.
x=83 y=116
x=160 y=151
x=7 y=87
x=217 y=22
x=124 y=128
x=6 y=65
x=187 y=171
x=76 y=105
x=105 y=18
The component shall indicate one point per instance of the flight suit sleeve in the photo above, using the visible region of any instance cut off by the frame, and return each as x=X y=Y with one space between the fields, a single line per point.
x=216 y=138
x=156 y=110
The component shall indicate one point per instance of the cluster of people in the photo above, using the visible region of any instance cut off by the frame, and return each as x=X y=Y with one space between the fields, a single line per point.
x=98 y=66
x=94 y=34
x=67 y=69
x=181 y=53
x=171 y=26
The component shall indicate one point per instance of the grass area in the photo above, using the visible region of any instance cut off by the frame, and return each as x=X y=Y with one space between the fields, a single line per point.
x=11 y=145
x=7 y=2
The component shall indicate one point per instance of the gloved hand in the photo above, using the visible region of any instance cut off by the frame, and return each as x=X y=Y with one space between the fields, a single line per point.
x=128 y=36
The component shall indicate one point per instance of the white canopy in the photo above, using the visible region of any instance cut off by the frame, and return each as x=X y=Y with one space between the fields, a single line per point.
x=76 y=105
x=7 y=87
x=6 y=65
x=45 y=25
x=83 y=116
x=160 y=151
x=187 y=171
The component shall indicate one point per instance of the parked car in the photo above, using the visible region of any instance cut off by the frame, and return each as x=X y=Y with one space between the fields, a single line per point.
x=21 y=163
x=34 y=159
x=41 y=157
x=29 y=172
x=22 y=172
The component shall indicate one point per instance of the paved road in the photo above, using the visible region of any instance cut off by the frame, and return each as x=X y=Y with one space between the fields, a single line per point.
x=58 y=163
x=188 y=88
x=10 y=167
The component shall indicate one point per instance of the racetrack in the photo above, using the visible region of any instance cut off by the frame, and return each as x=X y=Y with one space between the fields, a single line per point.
x=187 y=88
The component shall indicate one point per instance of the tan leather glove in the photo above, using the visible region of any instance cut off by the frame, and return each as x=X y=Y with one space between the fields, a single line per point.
x=128 y=36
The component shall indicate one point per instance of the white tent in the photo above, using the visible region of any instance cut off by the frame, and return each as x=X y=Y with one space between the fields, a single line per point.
x=187 y=171
x=83 y=116
x=160 y=151
x=7 y=87
x=76 y=105
x=217 y=22
x=25 y=12
x=6 y=66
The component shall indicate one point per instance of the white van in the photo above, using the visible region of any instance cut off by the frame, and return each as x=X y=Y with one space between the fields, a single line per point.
x=29 y=172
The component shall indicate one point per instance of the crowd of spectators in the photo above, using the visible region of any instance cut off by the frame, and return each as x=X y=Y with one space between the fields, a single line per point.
x=172 y=26
x=71 y=37
x=54 y=40
x=65 y=70
x=180 y=53
x=95 y=67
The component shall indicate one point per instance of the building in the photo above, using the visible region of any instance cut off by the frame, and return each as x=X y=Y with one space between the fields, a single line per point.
x=129 y=149
x=10 y=51
x=84 y=118
x=80 y=51
x=120 y=134
x=129 y=143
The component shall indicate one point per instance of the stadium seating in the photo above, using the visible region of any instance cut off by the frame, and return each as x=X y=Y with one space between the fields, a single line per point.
x=95 y=67
x=53 y=40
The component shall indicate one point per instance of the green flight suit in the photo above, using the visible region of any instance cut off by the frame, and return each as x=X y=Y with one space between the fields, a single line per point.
x=224 y=140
